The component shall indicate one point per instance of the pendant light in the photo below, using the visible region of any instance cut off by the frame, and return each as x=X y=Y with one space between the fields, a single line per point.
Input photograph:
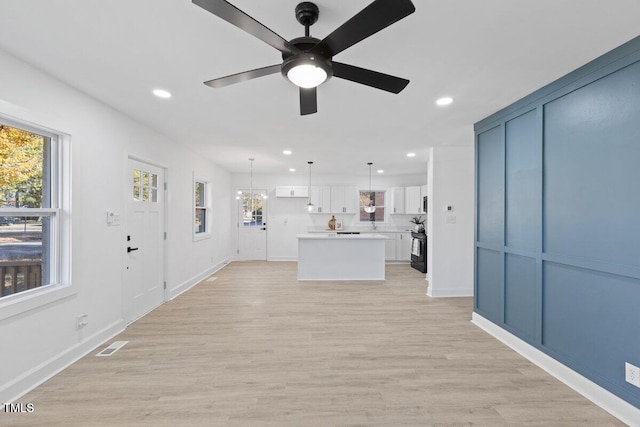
x=372 y=207
x=310 y=207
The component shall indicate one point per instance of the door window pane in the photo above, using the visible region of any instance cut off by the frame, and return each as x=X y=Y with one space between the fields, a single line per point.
x=252 y=204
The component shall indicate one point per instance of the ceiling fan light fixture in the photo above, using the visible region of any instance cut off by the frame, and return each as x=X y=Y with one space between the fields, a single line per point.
x=306 y=70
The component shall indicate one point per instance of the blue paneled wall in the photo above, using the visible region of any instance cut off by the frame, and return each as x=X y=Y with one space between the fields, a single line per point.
x=558 y=219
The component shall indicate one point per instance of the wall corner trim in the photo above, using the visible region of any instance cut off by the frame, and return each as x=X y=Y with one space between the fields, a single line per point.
x=608 y=401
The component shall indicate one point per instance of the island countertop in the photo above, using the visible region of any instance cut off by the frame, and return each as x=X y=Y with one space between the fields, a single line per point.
x=333 y=236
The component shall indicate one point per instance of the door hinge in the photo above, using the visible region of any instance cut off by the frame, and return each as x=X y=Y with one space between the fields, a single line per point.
x=238 y=251
x=165 y=235
x=165 y=186
x=165 y=285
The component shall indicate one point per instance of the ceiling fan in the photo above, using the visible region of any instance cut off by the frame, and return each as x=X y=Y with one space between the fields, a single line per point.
x=307 y=61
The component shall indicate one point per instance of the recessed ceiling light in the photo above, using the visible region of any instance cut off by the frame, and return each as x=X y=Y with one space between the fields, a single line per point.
x=161 y=93
x=380 y=171
x=292 y=170
x=411 y=154
x=287 y=152
x=444 y=101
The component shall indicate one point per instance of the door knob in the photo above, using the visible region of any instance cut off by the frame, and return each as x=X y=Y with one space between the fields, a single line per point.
x=130 y=249
x=263 y=228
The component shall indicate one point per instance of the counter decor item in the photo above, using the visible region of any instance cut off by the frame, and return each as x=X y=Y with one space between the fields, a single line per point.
x=332 y=223
x=419 y=223
x=339 y=225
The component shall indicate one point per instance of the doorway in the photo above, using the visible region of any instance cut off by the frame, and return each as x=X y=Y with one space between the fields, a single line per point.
x=144 y=245
x=252 y=225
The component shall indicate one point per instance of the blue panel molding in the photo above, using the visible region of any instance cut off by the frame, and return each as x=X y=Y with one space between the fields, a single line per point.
x=557 y=258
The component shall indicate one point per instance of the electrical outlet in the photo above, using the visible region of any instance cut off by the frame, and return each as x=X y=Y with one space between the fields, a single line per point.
x=632 y=374
x=82 y=321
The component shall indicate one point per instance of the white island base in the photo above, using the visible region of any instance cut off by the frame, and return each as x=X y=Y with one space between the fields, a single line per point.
x=341 y=256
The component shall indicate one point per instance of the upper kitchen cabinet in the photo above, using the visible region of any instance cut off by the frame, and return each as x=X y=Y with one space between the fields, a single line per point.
x=414 y=197
x=292 y=191
x=413 y=200
x=397 y=200
x=344 y=200
x=321 y=197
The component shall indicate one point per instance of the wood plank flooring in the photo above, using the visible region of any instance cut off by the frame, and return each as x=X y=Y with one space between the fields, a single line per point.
x=258 y=348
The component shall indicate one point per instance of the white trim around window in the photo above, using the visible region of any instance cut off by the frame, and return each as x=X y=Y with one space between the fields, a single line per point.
x=58 y=214
x=201 y=208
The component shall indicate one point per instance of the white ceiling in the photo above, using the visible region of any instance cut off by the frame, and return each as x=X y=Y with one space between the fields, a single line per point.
x=486 y=54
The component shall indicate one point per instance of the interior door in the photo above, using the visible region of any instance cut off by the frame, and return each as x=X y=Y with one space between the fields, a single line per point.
x=252 y=225
x=144 y=243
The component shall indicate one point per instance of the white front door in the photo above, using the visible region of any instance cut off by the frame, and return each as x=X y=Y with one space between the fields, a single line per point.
x=252 y=225
x=144 y=245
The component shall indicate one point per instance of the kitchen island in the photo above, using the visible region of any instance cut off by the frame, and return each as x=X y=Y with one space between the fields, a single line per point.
x=334 y=256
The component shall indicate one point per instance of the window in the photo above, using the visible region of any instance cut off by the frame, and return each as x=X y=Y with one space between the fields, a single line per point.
x=145 y=186
x=201 y=208
x=252 y=202
x=377 y=197
x=30 y=215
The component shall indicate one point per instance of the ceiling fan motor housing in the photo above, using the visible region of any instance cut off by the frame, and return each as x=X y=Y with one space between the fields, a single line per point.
x=307 y=13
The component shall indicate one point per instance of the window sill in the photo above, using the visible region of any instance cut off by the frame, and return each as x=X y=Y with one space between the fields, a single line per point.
x=201 y=236
x=33 y=299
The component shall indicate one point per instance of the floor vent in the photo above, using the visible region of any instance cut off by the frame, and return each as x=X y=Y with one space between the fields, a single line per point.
x=211 y=279
x=117 y=345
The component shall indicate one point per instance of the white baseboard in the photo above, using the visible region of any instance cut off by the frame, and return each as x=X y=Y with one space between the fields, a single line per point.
x=283 y=258
x=49 y=368
x=608 y=401
x=449 y=292
x=190 y=283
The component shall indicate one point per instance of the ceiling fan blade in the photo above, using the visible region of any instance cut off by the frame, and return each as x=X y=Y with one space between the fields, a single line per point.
x=244 y=76
x=369 y=77
x=373 y=18
x=235 y=16
x=308 y=101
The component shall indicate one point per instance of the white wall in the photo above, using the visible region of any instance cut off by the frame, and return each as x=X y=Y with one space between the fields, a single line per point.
x=450 y=234
x=287 y=216
x=39 y=342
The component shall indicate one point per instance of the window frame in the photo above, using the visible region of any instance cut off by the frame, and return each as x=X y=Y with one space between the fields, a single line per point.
x=206 y=234
x=59 y=211
x=361 y=207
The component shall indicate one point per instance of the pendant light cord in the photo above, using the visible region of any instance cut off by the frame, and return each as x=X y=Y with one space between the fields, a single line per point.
x=309 y=200
x=370 y=199
x=251 y=186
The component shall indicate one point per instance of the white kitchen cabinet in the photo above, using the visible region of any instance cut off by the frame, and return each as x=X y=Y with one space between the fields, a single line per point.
x=321 y=198
x=396 y=195
x=413 y=201
x=390 y=247
x=403 y=246
x=292 y=191
x=344 y=200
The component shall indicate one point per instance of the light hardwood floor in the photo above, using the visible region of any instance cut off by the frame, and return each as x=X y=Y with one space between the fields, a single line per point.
x=258 y=348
